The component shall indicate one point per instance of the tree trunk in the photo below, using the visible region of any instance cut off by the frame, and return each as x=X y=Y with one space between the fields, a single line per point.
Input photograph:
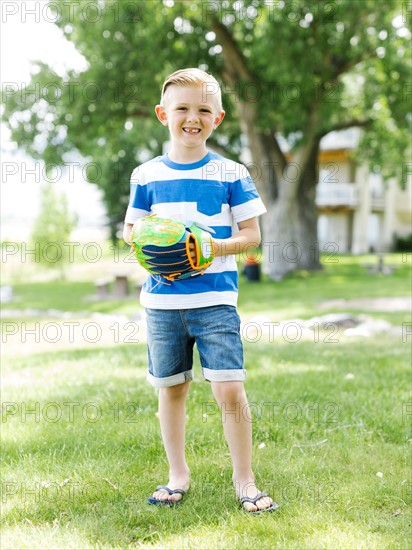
x=290 y=227
x=280 y=239
x=289 y=193
x=307 y=212
x=287 y=189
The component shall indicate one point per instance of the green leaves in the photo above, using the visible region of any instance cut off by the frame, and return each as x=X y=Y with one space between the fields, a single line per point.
x=333 y=62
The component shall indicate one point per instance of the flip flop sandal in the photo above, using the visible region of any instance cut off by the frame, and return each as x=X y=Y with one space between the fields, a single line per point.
x=158 y=502
x=271 y=508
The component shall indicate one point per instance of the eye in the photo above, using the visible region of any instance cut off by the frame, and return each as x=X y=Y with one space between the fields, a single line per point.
x=181 y=109
x=205 y=110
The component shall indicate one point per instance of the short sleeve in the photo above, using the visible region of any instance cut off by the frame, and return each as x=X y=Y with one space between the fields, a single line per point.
x=138 y=203
x=244 y=199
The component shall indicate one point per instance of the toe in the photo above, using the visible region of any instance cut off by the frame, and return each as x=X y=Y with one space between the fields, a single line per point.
x=249 y=507
x=164 y=495
x=175 y=497
x=161 y=495
x=261 y=504
x=264 y=503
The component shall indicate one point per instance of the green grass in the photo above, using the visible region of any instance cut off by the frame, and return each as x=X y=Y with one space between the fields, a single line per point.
x=298 y=295
x=76 y=472
x=67 y=296
x=325 y=439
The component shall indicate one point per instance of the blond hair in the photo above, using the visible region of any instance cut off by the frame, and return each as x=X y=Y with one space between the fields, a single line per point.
x=194 y=77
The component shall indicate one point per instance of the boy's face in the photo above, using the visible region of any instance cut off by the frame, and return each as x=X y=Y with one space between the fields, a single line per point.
x=191 y=116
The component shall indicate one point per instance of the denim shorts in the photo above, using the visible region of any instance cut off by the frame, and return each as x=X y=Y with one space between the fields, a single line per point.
x=172 y=333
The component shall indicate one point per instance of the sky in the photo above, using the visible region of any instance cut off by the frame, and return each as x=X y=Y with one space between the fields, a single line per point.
x=28 y=34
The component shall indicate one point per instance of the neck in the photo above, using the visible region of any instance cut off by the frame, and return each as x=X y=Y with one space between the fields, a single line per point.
x=187 y=156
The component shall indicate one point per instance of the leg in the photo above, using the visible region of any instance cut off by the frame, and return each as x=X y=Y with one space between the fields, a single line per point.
x=172 y=416
x=170 y=351
x=232 y=400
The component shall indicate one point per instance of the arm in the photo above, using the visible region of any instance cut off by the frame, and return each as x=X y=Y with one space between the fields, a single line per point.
x=127 y=229
x=249 y=233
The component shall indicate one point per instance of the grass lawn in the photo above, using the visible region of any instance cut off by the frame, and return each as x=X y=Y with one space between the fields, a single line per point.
x=298 y=295
x=81 y=447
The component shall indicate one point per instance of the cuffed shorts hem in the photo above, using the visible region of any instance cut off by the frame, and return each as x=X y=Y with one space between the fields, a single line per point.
x=224 y=375
x=169 y=381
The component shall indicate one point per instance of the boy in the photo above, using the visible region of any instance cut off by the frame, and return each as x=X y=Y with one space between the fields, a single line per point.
x=191 y=183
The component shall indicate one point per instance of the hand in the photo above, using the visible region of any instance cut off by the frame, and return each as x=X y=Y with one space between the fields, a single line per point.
x=192 y=250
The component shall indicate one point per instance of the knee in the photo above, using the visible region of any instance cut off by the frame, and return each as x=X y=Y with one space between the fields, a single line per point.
x=228 y=392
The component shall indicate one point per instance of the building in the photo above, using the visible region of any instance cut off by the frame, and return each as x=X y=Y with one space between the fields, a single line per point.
x=359 y=211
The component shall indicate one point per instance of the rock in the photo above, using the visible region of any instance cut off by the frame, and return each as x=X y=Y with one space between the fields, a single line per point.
x=344 y=320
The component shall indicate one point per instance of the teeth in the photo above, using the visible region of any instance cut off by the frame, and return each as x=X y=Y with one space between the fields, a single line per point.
x=191 y=130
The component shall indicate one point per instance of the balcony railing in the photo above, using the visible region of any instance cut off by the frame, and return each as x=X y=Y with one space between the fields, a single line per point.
x=337 y=194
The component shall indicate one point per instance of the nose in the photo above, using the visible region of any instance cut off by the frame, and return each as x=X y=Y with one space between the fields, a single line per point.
x=191 y=116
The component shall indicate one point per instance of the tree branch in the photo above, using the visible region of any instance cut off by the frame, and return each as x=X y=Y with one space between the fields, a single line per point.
x=235 y=62
x=140 y=113
x=344 y=125
x=236 y=71
x=341 y=66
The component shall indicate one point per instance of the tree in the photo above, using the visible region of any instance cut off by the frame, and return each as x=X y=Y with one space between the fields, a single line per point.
x=52 y=229
x=332 y=70
x=296 y=70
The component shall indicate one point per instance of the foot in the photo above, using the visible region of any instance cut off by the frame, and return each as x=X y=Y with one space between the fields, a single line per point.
x=249 y=489
x=174 y=483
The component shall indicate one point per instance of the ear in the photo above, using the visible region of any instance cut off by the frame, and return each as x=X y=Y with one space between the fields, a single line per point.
x=218 y=119
x=161 y=114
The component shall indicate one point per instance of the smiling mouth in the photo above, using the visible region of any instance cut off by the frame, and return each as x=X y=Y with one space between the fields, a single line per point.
x=193 y=131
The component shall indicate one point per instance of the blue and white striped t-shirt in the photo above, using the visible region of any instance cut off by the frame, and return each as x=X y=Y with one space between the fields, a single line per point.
x=216 y=192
